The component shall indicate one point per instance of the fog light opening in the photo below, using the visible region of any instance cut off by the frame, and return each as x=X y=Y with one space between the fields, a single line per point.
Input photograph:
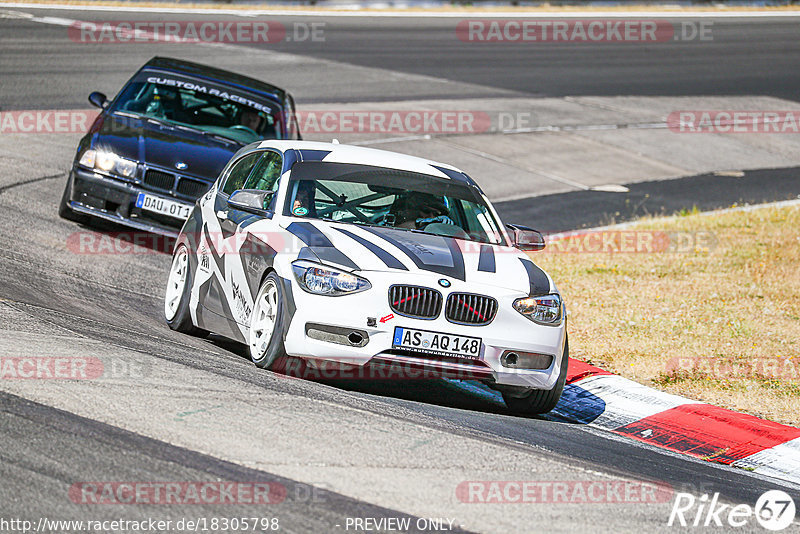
x=526 y=360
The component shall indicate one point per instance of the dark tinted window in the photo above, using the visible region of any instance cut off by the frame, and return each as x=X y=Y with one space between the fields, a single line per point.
x=267 y=172
x=239 y=173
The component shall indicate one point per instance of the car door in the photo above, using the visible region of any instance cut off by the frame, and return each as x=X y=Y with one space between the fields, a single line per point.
x=243 y=270
x=217 y=234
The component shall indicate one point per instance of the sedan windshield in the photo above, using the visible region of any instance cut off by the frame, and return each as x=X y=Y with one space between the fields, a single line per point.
x=192 y=105
x=376 y=196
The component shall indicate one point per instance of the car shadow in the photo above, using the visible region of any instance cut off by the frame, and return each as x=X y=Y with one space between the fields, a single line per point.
x=123 y=239
x=442 y=392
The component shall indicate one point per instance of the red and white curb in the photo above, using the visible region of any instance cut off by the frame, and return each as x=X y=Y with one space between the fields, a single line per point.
x=600 y=399
x=603 y=400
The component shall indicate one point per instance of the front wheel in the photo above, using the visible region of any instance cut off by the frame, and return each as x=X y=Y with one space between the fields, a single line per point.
x=540 y=401
x=267 y=321
x=178 y=293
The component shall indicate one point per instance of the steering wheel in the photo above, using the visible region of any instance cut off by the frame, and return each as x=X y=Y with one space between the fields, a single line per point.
x=380 y=218
x=243 y=128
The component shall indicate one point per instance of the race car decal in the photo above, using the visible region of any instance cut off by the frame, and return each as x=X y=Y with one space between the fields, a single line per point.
x=486 y=261
x=291 y=307
x=206 y=318
x=240 y=305
x=454 y=175
x=540 y=284
x=219 y=260
x=256 y=257
x=314 y=155
x=320 y=245
x=428 y=252
x=204 y=264
x=209 y=89
x=384 y=256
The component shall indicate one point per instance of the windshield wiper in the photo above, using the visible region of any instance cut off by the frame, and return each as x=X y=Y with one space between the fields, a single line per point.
x=128 y=114
x=362 y=223
x=220 y=136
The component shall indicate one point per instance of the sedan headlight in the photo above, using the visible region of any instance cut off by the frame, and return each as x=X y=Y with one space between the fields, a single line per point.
x=546 y=310
x=324 y=280
x=108 y=162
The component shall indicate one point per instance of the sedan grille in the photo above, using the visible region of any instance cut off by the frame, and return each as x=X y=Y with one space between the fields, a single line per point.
x=192 y=188
x=413 y=301
x=465 y=308
x=159 y=180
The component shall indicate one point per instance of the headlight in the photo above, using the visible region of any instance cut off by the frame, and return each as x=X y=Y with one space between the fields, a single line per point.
x=546 y=310
x=88 y=159
x=323 y=280
x=108 y=162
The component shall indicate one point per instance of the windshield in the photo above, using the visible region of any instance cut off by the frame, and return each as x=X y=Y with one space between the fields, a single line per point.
x=374 y=196
x=191 y=105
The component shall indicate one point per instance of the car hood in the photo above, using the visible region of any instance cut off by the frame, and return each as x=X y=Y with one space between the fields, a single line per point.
x=374 y=248
x=164 y=146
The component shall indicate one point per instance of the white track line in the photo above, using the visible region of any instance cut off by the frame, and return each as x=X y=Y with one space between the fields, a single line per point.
x=416 y=14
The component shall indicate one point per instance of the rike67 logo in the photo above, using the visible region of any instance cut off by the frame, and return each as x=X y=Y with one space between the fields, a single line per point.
x=774 y=510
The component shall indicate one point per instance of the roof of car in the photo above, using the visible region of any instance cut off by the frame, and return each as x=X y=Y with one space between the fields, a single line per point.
x=218 y=75
x=338 y=153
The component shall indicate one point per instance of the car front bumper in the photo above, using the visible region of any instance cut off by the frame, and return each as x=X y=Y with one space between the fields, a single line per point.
x=509 y=331
x=114 y=200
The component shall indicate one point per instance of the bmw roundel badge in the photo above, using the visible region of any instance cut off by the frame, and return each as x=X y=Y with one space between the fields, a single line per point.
x=181 y=166
x=444 y=282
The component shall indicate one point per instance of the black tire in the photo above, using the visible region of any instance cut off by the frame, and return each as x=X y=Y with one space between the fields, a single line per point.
x=64 y=211
x=541 y=401
x=274 y=357
x=182 y=321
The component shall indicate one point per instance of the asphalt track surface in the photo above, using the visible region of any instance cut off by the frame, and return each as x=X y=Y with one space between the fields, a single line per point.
x=115 y=300
x=587 y=209
x=744 y=57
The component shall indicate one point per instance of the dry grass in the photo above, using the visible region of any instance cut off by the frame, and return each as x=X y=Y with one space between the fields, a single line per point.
x=720 y=325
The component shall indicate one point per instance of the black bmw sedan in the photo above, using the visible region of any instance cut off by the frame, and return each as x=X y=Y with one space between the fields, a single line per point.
x=163 y=140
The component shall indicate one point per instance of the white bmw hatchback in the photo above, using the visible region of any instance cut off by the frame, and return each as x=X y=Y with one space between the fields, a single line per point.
x=328 y=252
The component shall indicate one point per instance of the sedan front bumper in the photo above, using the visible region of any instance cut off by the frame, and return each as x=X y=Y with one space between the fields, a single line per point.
x=113 y=200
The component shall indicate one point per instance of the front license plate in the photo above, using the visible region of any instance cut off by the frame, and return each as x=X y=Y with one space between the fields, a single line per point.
x=164 y=206
x=436 y=343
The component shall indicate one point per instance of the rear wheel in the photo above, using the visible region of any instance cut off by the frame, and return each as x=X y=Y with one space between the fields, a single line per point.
x=64 y=211
x=178 y=293
x=540 y=401
x=267 y=321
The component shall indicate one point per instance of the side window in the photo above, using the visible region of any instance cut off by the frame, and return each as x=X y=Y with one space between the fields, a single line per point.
x=267 y=173
x=239 y=173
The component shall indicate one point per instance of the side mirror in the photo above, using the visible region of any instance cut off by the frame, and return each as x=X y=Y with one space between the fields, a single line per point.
x=525 y=238
x=252 y=201
x=98 y=100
